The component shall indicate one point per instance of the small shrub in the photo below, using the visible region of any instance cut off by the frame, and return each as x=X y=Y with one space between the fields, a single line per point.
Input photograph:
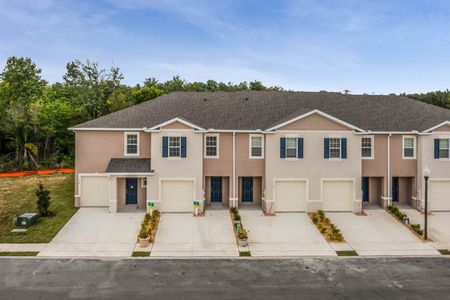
x=326 y=221
x=417 y=229
x=323 y=230
x=242 y=234
x=143 y=233
x=233 y=210
x=321 y=213
x=315 y=220
x=237 y=217
x=43 y=201
x=336 y=237
x=245 y=253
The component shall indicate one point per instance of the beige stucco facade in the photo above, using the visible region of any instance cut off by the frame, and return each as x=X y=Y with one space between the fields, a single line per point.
x=187 y=169
x=440 y=168
x=313 y=166
x=94 y=150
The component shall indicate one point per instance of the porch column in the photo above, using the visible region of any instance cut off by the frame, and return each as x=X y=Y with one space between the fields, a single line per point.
x=113 y=194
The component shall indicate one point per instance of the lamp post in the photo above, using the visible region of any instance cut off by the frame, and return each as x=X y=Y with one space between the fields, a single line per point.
x=426 y=175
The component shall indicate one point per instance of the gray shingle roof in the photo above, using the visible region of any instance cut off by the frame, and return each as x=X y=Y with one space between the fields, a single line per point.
x=129 y=165
x=252 y=110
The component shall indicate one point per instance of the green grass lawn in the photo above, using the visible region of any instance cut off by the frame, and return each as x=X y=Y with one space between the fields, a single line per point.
x=17 y=196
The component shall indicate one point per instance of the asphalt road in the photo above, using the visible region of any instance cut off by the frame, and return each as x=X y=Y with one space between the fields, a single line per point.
x=305 y=278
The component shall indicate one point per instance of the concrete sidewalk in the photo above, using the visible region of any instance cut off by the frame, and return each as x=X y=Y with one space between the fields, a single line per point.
x=9 y=247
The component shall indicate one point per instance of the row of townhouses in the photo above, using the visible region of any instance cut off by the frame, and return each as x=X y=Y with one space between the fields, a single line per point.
x=280 y=151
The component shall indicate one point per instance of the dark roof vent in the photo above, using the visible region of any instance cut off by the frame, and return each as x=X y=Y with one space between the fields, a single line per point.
x=246 y=98
x=204 y=99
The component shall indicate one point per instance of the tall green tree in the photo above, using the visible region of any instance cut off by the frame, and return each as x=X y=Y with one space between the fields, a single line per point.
x=21 y=86
x=91 y=86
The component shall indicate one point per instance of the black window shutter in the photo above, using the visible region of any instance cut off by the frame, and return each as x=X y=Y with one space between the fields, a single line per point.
x=326 y=148
x=300 y=147
x=282 y=147
x=436 y=149
x=165 y=146
x=344 y=148
x=183 y=146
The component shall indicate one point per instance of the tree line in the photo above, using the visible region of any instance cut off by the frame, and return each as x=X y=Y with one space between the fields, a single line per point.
x=35 y=114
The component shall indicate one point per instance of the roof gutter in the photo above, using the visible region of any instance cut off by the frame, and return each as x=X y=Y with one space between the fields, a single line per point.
x=392 y=132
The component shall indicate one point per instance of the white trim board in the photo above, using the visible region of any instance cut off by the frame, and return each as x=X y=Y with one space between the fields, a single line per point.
x=316 y=111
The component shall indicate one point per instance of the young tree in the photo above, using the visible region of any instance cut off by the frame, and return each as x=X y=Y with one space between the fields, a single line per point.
x=43 y=201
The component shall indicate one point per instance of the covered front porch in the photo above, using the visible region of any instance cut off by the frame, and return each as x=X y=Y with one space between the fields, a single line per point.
x=128 y=179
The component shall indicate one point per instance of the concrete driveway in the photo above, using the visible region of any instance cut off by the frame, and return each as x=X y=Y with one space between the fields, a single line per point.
x=182 y=234
x=438 y=226
x=286 y=234
x=379 y=233
x=95 y=232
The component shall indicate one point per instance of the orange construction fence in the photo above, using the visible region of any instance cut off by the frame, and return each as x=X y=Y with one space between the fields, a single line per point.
x=36 y=172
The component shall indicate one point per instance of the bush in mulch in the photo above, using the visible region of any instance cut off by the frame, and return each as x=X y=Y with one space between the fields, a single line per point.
x=326 y=228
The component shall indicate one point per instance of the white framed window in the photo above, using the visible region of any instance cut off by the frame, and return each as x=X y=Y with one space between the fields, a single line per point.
x=256 y=148
x=131 y=144
x=144 y=182
x=174 y=146
x=335 y=148
x=291 y=147
x=409 y=147
x=367 y=147
x=212 y=146
x=444 y=148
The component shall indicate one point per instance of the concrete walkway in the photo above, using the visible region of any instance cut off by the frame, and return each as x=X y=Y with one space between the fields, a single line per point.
x=379 y=233
x=182 y=234
x=438 y=225
x=286 y=234
x=95 y=232
x=22 y=247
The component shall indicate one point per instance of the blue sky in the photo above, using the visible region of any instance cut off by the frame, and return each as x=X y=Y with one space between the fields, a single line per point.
x=372 y=46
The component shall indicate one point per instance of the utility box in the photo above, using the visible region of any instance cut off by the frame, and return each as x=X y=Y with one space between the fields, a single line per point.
x=406 y=220
x=27 y=219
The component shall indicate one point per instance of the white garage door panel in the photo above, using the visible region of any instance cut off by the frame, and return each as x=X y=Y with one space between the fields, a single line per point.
x=94 y=191
x=439 y=195
x=337 y=196
x=177 y=196
x=290 y=195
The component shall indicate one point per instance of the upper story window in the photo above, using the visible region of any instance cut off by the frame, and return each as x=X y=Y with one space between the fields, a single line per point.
x=441 y=148
x=409 y=147
x=256 y=146
x=212 y=146
x=335 y=148
x=131 y=144
x=367 y=147
x=291 y=147
x=174 y=146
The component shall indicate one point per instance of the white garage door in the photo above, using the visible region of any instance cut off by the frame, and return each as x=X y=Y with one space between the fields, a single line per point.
x=290 y=195
x=177 y=196
x=94 y=191
x=439 y=192
x=337 y=195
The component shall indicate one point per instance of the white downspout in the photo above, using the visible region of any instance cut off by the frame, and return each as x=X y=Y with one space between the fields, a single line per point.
x=234 y=169
x=389 y=169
